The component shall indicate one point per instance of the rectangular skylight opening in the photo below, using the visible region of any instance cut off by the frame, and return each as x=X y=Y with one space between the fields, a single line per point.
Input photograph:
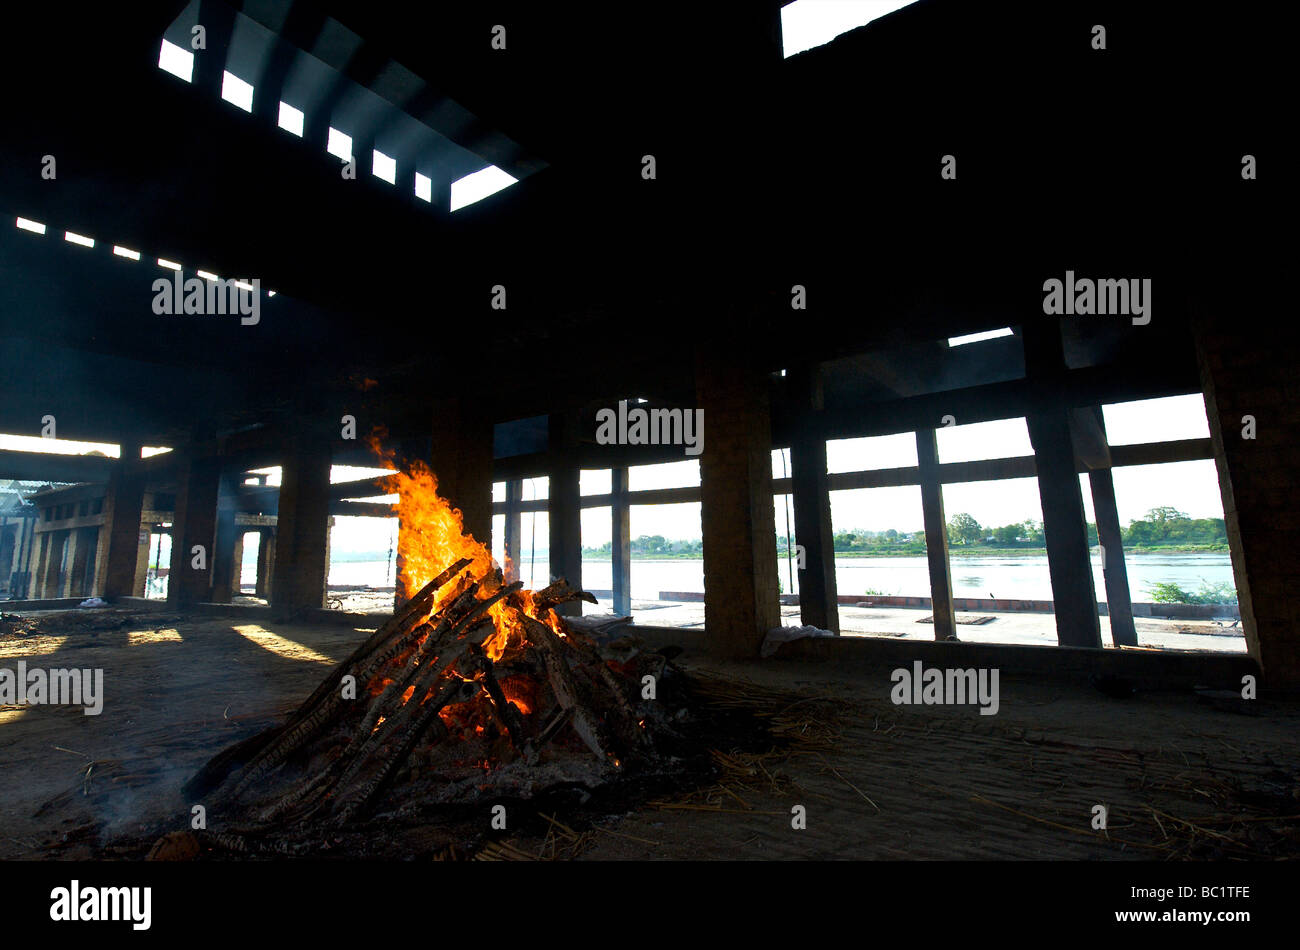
x=384 y=167
x=28 y=225
x=291 y=119
x=206 y=275
x=177 y=61
x=73 y=238
x=170 y=265
x=121 y=251
x=339 y=144
x=237 y=92
x=479 y=185
x=977 y=337
x=809 y=23
x=423 y=187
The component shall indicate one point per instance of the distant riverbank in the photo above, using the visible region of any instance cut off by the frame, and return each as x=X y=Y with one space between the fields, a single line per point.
x=1006 y=574
x=955 y=550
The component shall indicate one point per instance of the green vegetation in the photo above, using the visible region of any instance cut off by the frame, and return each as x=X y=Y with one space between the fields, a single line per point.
x=1163 y=529
x=652 y=546
x=1167 y=593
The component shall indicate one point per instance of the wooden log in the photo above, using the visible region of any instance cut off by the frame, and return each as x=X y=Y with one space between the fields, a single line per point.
x=326 y=701
x=562 y=682
x=559 y=592
x=506 y=712
x=366 y=744
x=386 y=763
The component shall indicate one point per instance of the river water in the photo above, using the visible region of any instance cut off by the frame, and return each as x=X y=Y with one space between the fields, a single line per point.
x=1012 y=578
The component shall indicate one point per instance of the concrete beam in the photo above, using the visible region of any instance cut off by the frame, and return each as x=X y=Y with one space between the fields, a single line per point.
x=52 y=467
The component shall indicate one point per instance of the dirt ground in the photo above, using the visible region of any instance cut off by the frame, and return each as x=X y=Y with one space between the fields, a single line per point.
x=1179 y=777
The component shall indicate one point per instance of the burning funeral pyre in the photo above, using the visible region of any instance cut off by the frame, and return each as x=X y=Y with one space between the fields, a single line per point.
x=474 y=688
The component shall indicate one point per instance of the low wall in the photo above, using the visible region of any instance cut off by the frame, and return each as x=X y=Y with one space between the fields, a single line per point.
x=998 y=605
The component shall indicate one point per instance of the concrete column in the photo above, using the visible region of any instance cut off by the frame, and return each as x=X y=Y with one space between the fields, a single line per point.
x=1247 y=366
x=461 y=457
x=936 y=536
x=265 y=562
x=55 y=554
x=620 y=547
x=1119 y=604
x=1065 y=530
x=120 y=541
x=810 y=493
x=194 y=524
x=736 y=509
x=1065 y=527
x=514 y=528
x=40 y=555
x=142 y=562
x=80 y=555
x=565 y=508
x=237 y=563
x=224 y=569
x=302 y=529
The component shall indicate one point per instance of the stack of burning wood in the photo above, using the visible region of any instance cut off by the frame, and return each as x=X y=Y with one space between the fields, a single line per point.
x=472 y=688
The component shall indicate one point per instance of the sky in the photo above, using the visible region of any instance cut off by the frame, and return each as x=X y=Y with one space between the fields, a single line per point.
x=809 y=23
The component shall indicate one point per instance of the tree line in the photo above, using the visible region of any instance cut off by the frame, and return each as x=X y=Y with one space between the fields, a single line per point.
x=1161 y=527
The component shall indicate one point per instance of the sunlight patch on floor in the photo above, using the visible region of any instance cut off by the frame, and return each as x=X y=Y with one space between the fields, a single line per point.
x=137 y=638
x=280 y=646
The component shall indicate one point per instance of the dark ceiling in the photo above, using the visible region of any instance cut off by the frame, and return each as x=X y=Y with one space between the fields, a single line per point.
x=821 y=170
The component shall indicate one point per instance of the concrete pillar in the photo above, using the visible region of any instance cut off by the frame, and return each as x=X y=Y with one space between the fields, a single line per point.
x=620 y=547
x=736 y=509
x=40 y=553
x=194 y=525
x=1119 y=604
x=565 y=508
x=1247 y=369
x=810 y=494
x=1065 y=528
x=142 y=562
x=461 y=457
x=30 y=559
x=237 y=563
x=302 y=529
x=120 y=542
x=936 y=536
x=81 y=556
x=265 y=562
x=54 y=554
x=514 y=528
x=224 y=568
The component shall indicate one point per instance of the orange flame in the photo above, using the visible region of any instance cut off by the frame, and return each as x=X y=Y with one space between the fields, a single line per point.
x=432 y=536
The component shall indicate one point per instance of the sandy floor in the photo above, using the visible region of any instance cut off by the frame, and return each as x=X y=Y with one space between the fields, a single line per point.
x=877 y=781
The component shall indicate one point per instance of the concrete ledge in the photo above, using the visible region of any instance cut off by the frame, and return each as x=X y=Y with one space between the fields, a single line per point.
x=282 y=615
x=53 y=603
x=1147 y=669
x=995 y=605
